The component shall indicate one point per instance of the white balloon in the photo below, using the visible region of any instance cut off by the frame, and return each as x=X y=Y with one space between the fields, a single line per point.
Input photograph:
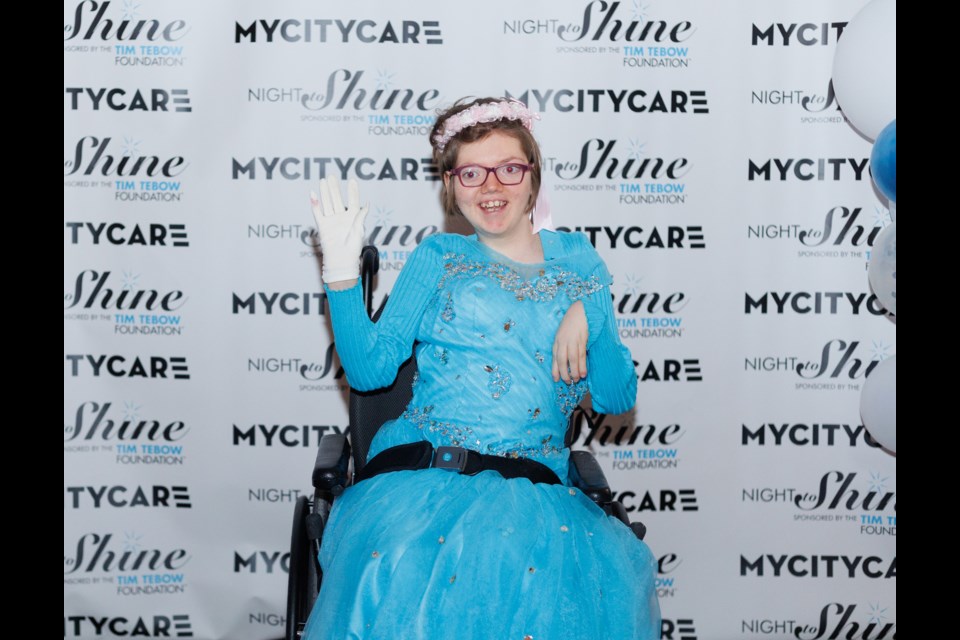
x=878 y=403
x=865 y=68
x=882 y=272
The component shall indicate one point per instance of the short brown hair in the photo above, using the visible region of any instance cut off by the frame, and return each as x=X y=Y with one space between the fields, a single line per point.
x=445 y=159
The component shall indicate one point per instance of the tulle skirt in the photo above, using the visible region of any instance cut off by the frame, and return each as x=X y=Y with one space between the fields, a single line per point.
x=435 y=554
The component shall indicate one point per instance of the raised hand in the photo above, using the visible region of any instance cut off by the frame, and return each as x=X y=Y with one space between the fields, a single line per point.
x=340 y=229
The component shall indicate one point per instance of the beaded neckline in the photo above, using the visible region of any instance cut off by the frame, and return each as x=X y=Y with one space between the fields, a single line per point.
x=527 y=282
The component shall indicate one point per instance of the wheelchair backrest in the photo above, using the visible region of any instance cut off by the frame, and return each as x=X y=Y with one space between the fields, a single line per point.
x=369 y=410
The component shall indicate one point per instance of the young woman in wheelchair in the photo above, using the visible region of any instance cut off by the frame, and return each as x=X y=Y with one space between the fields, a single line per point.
x=464 y=523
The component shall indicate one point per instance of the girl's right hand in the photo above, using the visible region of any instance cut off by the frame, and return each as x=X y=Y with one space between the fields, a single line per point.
x=340 y=229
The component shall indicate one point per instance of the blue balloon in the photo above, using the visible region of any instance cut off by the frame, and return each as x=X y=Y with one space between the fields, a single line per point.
x=883 y=161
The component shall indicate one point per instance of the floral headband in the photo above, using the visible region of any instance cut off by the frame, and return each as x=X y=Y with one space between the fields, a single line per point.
x=486 y=112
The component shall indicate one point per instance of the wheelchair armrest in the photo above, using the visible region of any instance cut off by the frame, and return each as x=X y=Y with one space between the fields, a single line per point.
x=333 y=460
x=617 y=510
x=586 y=475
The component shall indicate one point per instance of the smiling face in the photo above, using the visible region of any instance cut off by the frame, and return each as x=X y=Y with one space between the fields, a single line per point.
x=497 y=212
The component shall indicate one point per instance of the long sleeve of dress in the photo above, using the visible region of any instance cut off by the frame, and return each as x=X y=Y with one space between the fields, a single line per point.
x=611 y=376
x=371 y=353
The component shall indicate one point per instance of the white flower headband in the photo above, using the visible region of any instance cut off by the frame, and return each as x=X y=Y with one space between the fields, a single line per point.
x=486 y=112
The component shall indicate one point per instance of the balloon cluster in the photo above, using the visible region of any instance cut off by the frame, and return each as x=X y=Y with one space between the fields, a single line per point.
x=865 y=82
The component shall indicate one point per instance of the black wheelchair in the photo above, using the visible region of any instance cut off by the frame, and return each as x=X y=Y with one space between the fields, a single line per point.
x=332 y=474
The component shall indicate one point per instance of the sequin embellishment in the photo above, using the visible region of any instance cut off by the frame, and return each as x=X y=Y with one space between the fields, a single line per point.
x=499 y=382
x=447 y=313
x=545 y=450
x=454 y=434
x=551 y=281
x=569 y=395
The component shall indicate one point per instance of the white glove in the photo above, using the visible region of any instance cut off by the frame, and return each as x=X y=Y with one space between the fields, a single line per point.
x=340 y=229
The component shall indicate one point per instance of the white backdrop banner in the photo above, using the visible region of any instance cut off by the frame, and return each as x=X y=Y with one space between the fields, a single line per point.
x=698 y=145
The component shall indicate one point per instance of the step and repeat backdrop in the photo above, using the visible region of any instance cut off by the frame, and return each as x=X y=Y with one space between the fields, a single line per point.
x=700 y=147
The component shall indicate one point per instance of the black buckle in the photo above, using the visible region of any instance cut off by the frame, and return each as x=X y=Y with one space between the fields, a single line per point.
x=454 y=458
